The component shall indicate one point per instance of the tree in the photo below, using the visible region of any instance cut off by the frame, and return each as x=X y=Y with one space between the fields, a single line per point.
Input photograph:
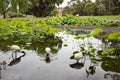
x=108 y=5
x=19 y=5
x=116 y=7
x=88 y=9
x=99 y=8
x=78 y=7
x=75 y=7
x=4 y=7
x=42 y=8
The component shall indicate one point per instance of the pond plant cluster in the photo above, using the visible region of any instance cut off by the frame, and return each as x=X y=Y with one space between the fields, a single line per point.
x=109 y=55
x=75 y=21
x=23 y=33
x=38 y=34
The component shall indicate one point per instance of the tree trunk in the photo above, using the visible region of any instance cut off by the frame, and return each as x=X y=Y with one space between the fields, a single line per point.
x=4 y=15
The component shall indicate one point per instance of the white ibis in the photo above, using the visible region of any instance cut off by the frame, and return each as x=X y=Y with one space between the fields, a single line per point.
x=16 y=60
x=77 y=56
x=16 y=49
x=47 y=50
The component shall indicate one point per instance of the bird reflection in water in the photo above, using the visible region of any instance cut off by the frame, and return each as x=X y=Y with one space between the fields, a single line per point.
x=16 y=60
x=47 y=58
x=77 y=65
x=2 y=67
x=47 y=55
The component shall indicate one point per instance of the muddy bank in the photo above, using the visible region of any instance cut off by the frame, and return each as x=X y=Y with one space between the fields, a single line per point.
x=105 y=29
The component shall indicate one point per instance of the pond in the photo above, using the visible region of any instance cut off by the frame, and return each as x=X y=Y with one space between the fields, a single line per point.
x=34 y=66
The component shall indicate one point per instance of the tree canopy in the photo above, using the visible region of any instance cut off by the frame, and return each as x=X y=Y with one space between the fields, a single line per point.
x=42 y=8
x=4 y=7
x=87 y=7
x=19 y=5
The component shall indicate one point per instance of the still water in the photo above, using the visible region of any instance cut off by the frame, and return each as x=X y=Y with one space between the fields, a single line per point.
x=33 y=66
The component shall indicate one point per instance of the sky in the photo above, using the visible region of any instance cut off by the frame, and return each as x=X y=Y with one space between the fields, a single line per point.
x=64 y=4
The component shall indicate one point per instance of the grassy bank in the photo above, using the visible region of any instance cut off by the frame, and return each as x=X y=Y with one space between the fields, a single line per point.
x=116 y=17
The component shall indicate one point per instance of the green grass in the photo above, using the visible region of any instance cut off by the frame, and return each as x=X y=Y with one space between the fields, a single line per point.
x=116 y=17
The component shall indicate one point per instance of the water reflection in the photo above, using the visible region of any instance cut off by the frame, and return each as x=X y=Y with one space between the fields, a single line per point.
x=47 y=58
x=111 y=64
x=62 y=66
x=112 y=76
x=2 y=67
x=91 y=70
x=77 y=65
x=16 y=60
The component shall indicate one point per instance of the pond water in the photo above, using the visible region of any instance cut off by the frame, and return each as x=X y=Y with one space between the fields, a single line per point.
x=33 y=66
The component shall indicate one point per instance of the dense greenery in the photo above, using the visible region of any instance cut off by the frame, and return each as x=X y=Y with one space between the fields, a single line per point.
x=87 y=7
x=109 y=55
x=4 y=7
x=19 y=6
x=29 y=34
x=70 y=20
x=13 y=6
x=24 y=31
x=42 y=7
x=31 y=7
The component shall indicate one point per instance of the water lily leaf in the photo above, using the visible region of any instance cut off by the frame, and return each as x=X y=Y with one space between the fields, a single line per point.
x=114 y=35
x=65 y=44
x=118 y=38
x=105 y=52
x=96 y=31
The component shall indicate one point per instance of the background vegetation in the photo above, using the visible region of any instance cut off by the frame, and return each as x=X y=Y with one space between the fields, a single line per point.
x=87 y=7
x=43 y=8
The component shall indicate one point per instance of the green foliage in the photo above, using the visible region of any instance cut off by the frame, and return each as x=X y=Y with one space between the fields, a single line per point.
x=47 y=29
x=96 y=31
x=19 y=4
x=91 y=51
x=109 y=64
x=86 y=7
x=42 y=8
x=106 y=52
x=70 y=20
x=114 y=35
x=23 y=31
x=4 y=7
